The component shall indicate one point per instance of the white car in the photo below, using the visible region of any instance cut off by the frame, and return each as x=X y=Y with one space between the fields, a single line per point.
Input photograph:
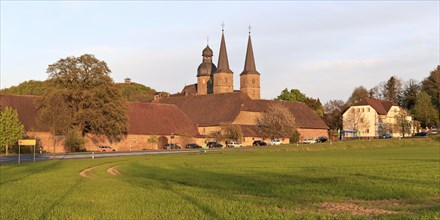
x=309 y=141
x=275 y=142
x=234 y=144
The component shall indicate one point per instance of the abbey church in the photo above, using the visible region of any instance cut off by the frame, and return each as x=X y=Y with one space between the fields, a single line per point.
x=190 y=116
x=213 y=100
x=220 y=79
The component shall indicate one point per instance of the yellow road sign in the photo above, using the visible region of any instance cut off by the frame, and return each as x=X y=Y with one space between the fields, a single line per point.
x=27 y=142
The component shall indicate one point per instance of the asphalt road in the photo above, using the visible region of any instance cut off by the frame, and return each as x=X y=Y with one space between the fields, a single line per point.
x=26 y=158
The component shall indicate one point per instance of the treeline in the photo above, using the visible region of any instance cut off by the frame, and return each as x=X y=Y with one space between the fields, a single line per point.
x=133 y=92
x=420 y=99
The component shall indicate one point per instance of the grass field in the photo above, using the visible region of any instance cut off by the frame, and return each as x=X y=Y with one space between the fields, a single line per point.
x=356 y=179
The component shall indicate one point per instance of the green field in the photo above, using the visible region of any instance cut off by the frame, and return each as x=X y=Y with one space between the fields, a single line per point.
x=356 y=179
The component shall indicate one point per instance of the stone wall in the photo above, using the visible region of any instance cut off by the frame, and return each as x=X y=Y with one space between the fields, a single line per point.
x=311 y=133
x=128 y=143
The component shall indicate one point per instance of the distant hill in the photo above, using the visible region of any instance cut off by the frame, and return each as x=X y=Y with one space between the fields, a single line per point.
x=31 y=87
x=131 y=91
x=136 y=92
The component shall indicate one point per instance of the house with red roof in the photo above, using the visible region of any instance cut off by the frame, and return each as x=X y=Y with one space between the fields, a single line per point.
x=374 y=118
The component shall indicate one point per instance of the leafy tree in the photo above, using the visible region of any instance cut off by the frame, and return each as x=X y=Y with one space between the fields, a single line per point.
x=357 y=95
x=11 y=129
x=92 y=100
x=276 y=122
x=431 y=85
x=31 y=87
x=333 y=110
x=54 y=112
x=409 y=94
x=402 y=125
x=425 y=110
x=294 y=95
x=392 y=89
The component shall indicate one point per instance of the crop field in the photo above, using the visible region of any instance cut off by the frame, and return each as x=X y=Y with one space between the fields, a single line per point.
x=389 y=179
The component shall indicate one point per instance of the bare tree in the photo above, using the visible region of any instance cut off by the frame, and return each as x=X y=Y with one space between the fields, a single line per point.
x=231 y=132
x=355 y=119
x=333 y=110
x=276 y=122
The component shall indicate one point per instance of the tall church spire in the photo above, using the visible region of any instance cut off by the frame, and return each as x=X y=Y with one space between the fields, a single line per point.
x=223 y=77
x=250 y=78
x=223 y=63
x=249 y=64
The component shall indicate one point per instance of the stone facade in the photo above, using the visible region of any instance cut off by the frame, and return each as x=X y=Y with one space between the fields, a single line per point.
x=250 y=85
x=131 y=142
x=202 y=85
x=223 y=83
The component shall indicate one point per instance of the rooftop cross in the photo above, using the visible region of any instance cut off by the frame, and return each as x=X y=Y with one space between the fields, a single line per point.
x=223 y=26
x=249 y=29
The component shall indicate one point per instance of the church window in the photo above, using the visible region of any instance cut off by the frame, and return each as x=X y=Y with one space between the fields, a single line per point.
x=253 y=81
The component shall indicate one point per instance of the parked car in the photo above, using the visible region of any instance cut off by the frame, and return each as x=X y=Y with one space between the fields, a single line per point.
x=193 y=145
x=171 y=146
x=321 y=139
x=212 y=144
x=259 y=143
x=423 y=133
x=309 y=141
x=233 y=144
x=105 y=149
x=385 y=136
x=275 y=142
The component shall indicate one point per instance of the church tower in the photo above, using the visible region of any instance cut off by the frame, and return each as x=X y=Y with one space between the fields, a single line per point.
x=250 y=77
x=204 y=73
x=223 y=76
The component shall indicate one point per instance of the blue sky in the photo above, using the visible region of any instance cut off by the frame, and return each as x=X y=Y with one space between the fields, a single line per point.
x=325 y=49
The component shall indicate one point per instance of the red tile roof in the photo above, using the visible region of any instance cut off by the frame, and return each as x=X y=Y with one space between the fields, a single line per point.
x=381 y=106
x=210 y=110
x=160 y=119
x=144 y=118
x=27 y=113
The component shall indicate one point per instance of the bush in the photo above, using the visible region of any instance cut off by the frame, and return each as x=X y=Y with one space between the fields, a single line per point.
x=74 y=142
x=294 y=137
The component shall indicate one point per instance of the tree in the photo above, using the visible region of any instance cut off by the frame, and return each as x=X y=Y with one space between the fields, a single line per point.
x=92 y=100
x=357 y=95
x=355 y=119
x=425 y=111
x=54 y=112
x=392 y=89
x=409 y=94
x=11 y=129
x=294 y=95
x=333 y=110
x=276 y=122
x=402 y=125
x=230 y=132
x=431 y=85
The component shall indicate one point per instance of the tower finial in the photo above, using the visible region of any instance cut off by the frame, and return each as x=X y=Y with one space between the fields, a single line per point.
x=249 y=29
x=223 y=26
x=207 y=40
